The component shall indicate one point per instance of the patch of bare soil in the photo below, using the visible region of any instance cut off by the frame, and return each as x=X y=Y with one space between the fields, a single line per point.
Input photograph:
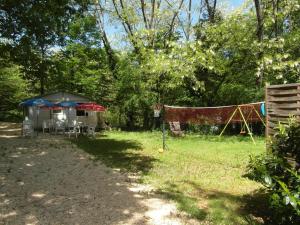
x=47 y=180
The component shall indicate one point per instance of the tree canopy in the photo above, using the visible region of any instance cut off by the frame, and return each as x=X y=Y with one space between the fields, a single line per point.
x=131 y=54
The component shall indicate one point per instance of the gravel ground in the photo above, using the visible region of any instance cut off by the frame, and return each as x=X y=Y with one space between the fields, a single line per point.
x=47 y=180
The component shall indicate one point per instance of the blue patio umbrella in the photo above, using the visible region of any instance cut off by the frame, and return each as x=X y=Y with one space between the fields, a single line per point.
x=38 y=102
x=67 y=104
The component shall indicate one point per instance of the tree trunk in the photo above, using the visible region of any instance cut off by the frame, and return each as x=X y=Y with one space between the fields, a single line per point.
x=211 y=10
x=275 y=6
x=259 y=17
x=189 y=21
x=112 y=60
x=42 y=72
x=260 y=35
x=146 y=119
x=42 y=83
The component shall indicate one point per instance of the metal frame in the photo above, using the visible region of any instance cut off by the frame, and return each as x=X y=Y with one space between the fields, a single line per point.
x=238 y=109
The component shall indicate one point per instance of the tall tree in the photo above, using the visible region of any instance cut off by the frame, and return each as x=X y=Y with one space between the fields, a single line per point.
x=211 y=7
x=36 y=27
x=259 y=18
x=99 y=13
x=147 y=23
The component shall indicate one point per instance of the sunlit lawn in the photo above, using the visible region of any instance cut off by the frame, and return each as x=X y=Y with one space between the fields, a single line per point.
x=202 y=174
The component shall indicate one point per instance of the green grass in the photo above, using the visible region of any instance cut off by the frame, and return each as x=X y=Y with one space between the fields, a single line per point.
x=202 y=174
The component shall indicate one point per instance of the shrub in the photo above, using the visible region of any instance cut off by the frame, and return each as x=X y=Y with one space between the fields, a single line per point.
x=13 y=88
x=277 y=170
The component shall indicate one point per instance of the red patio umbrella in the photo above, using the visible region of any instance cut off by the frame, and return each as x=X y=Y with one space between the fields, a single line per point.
x=91 y=107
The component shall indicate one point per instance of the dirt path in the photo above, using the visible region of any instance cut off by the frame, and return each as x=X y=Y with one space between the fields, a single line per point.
x=47 y=180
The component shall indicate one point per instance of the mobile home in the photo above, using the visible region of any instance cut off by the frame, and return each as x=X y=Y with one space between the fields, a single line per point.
x=40 y=114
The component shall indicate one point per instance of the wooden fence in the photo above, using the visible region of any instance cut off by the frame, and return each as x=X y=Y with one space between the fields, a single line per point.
x=282 y=101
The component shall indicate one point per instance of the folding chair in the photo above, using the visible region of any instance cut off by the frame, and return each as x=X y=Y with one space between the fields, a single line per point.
x=175 y=128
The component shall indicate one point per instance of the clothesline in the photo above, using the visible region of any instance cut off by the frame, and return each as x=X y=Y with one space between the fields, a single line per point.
x=212 y=107
x=213 y=115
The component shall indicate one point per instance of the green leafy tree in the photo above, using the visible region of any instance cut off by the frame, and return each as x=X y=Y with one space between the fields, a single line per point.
x=13 y=89
x=36 y=27
x=82 y=66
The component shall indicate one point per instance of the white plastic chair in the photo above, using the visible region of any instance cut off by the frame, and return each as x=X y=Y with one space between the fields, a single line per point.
x=73 y=128
x=51 y=124
x=27 y=128
x=59 y=125
x=46 y=126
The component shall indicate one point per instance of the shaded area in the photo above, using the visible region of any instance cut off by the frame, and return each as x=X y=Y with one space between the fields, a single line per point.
x=256 y=203
x=205 y=205
x=185 y=203
x=43 y=180
x=217 y=206
x=123 y=154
